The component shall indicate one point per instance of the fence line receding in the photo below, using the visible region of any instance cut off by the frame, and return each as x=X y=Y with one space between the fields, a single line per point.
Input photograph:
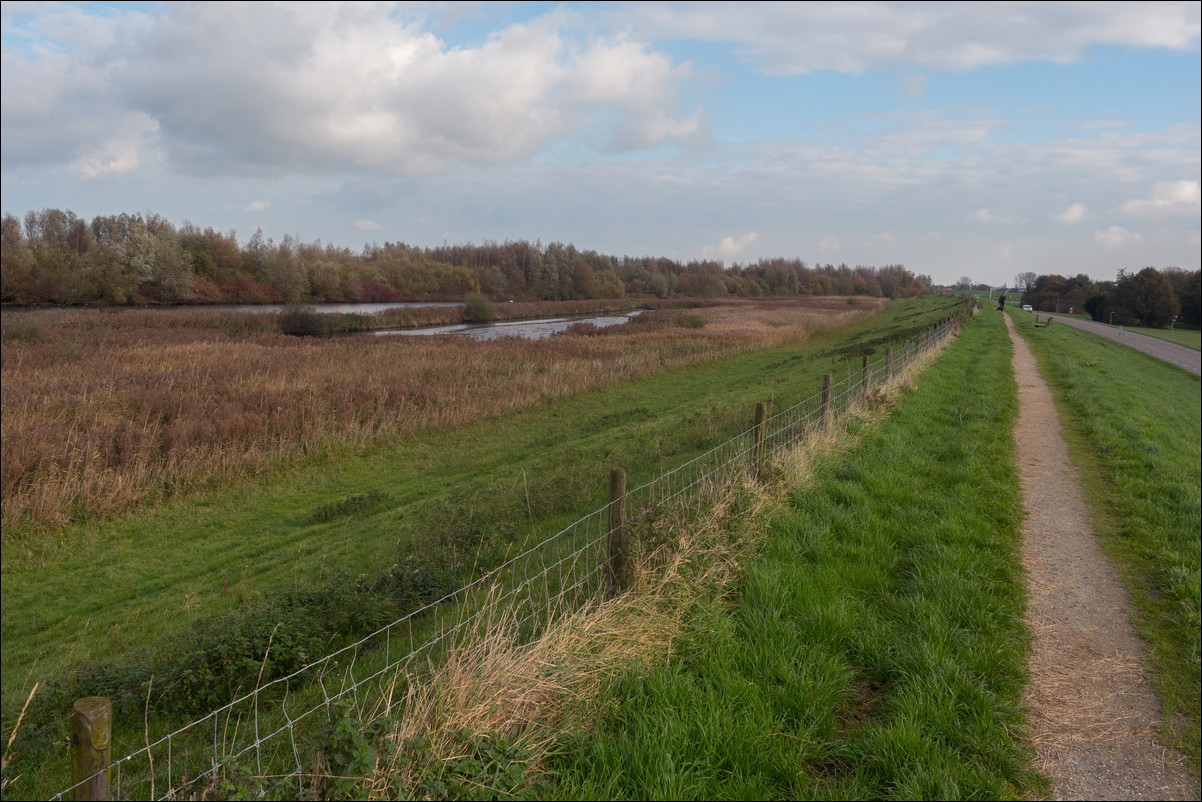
x=269 y=729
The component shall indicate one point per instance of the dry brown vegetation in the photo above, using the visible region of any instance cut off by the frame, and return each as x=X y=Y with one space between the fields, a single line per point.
x=531 y=693
x=107 y=410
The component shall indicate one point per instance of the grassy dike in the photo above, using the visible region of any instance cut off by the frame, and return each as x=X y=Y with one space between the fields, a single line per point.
x=1133 y=427
x=334 y=550
x=873 y=649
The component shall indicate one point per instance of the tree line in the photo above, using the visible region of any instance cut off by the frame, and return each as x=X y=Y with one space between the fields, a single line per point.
x=1148 y=297
x=55 y=257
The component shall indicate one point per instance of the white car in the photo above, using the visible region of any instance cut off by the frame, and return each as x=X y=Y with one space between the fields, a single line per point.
x=1027 y=308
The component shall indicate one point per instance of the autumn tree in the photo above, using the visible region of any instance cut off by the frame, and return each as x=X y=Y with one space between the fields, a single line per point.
x=1076 y=291
x=16 y=277
x=1146 y=298
x=1044 y=293
x=1187 y=285
x=584 y=279
x=51 y=256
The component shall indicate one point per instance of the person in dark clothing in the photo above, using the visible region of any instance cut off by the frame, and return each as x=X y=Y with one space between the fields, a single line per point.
x=1001 y=302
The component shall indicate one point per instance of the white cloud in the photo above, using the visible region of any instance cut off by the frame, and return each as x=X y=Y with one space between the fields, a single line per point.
x=367 y=225
x=1168 y=198
x=986 y=216
x=359 y=112
x=256 y=206
x=1116 y=237
x=314 y=87
x=798 y=38
x=113 y=158
x=730 y=246
x=1075 y=213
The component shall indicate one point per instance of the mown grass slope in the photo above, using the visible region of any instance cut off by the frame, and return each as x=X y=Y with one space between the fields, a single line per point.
x=442 y=504
x=874 y=649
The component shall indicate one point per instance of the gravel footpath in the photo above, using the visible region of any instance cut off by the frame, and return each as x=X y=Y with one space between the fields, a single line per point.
x=1093 y=714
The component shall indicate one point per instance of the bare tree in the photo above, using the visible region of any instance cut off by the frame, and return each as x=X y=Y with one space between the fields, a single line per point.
x=1025 y=280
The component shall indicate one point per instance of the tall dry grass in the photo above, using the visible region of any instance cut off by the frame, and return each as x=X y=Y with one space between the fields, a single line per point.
x=530 y=694
x=104 y=411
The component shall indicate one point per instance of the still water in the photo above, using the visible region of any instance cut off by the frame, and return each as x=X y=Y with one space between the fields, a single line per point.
x=535 y=329
x=528 y=329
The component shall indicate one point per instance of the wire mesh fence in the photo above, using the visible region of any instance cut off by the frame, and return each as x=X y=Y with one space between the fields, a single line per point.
x=274 y=730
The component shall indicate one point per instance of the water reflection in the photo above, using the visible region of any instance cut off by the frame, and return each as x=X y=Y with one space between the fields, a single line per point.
x=528 y=329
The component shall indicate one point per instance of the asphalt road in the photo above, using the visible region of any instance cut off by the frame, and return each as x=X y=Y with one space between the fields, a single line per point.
x=1179 y=355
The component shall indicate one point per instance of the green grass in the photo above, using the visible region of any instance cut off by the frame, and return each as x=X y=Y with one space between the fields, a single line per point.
x=874 y=649
x=1133 y=424
x=1191 y=338
x=123 y=591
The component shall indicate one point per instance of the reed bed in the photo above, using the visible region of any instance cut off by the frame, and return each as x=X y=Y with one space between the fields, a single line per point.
x=104 y=411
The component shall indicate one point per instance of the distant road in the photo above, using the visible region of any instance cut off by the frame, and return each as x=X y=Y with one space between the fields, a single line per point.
x=1179 y=355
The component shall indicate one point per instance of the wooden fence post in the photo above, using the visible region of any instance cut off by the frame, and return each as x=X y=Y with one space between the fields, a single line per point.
x=91 y=748
x=888 y=364
x=617 y=569
x=824 y=417
x=864 y=376
x=761 y=414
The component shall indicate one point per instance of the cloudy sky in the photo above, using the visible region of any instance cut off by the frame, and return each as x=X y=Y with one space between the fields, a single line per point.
x=958 y=139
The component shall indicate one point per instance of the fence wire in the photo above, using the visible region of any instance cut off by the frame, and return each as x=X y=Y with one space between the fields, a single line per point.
x=273 y=726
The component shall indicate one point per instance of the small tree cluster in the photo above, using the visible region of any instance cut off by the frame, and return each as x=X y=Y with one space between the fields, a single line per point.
x=1149 y=297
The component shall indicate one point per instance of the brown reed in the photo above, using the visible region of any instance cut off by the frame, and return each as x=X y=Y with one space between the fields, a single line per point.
x=104 y=411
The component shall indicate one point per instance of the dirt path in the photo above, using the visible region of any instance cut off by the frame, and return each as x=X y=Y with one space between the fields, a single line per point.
x=1093 y=713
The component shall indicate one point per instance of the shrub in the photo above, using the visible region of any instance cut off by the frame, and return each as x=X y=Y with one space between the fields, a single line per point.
x=687 y=320
x=23 y=328
x=583 y=329
x=477 y=308
x=304 y=321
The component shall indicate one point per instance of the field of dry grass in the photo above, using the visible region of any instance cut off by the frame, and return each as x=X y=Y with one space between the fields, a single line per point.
x=104 y=411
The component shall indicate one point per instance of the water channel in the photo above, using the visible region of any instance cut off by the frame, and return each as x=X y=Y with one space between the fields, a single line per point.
x=530 y=329
x=526 y=329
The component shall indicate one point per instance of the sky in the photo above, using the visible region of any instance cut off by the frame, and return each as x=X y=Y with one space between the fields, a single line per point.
x=957 y=139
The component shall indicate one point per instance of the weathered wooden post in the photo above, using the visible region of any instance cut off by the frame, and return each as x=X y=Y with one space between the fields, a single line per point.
x=617 y=569
x=888 y=364
x=864 y=376
x=824 y=417
x=91 y=748
x=761 y=414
